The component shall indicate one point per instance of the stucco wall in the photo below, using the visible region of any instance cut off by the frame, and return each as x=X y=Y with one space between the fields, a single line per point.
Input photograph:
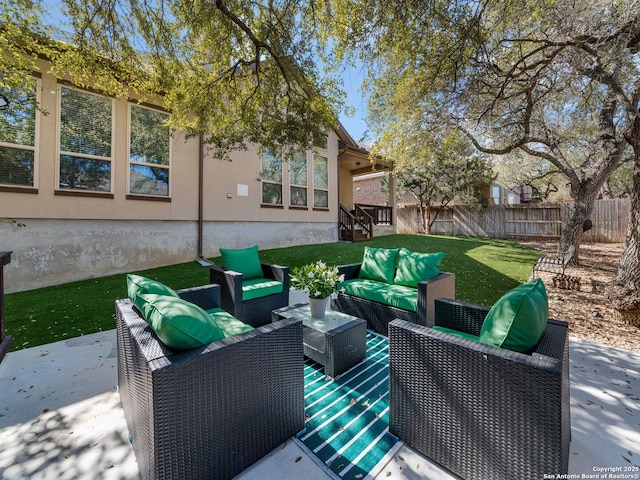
x=51 y=252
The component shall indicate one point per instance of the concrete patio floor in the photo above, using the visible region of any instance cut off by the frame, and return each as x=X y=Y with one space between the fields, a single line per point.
x=60 y=417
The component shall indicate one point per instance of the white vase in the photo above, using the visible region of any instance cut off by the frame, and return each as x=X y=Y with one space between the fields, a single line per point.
x=318 y=306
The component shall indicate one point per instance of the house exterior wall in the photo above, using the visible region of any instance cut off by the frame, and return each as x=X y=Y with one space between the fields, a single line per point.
x=346 y=189
x=368 y=191
x=73 y=237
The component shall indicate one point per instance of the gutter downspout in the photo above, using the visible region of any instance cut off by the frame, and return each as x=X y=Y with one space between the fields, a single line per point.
x=201 y=260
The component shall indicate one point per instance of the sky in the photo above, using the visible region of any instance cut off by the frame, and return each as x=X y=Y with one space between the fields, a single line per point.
x=355 y=124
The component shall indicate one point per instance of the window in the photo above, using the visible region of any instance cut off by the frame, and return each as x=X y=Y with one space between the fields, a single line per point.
x=149 y=151
x=298 y=180
x=85 y=141
x=320 y=181
x=17 y=139
x=271 y=178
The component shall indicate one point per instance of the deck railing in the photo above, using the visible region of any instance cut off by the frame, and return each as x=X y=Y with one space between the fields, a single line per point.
x=381 y=214
x=356 y=225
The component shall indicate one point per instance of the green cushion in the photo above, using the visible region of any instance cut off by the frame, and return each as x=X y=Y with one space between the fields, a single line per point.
x=260 y=287
x=379 y=264
x=229 y=324
x=517 y=320
x=179 y=324
x=414 y=267
x=398 y=296
x=139 y=285
x=245 y=261
x=450 y=331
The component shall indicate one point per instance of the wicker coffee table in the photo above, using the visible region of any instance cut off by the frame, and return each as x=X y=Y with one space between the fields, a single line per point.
x=337 y=342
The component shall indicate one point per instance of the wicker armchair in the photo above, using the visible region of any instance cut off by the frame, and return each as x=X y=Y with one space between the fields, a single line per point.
x=480 y=411
x=213 y=411
x=254 y=312
x=379 y=315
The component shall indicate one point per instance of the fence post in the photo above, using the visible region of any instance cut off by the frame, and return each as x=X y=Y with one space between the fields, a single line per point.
x=5 y=341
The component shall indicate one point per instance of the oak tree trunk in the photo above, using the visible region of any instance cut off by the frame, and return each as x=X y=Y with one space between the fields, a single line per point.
x=625 y=293
x=582 y=210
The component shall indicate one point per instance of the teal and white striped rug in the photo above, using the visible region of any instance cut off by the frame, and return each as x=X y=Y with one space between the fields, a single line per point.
x=347 y=419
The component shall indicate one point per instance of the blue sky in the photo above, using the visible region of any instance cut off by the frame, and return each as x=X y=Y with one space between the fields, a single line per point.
x=355 y=124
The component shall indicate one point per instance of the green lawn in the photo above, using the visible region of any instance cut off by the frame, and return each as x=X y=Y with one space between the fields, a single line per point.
x=484 y=269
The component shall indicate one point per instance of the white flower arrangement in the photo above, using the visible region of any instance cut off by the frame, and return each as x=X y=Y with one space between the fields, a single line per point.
x=319 y=279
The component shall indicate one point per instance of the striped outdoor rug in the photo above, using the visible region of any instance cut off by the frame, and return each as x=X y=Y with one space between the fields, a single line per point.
x=347 y=419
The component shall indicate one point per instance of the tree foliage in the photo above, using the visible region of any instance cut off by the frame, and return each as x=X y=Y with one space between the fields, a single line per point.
x=555 y=80
x=234 y=71
x=438 y=170
x=519 y=169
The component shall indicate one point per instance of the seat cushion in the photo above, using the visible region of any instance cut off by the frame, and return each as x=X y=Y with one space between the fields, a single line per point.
x=398 y=296
x=179 y=324
x=229 y=324
x=379 y=264
x=260 y=287
x=517 y=320
x=414 y=267
x=245 y=261
x=139 y=285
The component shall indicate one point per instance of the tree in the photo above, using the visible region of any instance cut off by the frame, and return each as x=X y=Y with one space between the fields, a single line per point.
x=519 y=77
x=558 y=80
x=234 y=71
x=519 y=170
x=438 y=170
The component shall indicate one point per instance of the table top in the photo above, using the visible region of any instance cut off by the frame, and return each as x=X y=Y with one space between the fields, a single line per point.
x=331 y=320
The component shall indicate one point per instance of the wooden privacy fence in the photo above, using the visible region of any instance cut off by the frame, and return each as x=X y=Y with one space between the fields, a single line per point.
x=542 y=221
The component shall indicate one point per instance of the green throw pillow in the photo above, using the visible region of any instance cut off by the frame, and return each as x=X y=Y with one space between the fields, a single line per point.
x=245 y=261
x=517 y=320
x=138 y=285
x=414 y=267
x=179 y=324
x=379 y=264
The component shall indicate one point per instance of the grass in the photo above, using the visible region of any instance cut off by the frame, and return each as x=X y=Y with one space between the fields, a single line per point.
x=484 y=269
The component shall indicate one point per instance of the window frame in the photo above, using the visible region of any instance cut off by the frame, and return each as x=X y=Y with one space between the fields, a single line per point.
x=324 y=156
x=263 y=181
x=293 y=185
x=130 y=162
x=59 y=190
x=33 y=188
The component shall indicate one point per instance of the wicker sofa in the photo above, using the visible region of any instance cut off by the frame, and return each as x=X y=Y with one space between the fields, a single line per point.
x=378 y=315
x=480 y=411
x=213 y=411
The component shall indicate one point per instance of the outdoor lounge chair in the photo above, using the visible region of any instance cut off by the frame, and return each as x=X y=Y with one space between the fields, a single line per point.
x=251 y=289
x=209 y=412
x=480 y=411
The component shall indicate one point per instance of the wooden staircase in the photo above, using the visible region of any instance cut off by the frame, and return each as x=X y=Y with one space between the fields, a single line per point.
x=355 y=225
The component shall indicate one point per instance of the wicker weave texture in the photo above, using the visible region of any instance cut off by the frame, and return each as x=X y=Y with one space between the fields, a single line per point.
x=379 y=315
x=480 y=411
x=213 y=411
x=256 y=312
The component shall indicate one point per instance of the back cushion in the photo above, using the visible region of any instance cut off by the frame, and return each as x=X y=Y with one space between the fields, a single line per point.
x=379 y=264
x=245 y=261
x=517 y=320
x=179 y=324
x=414 y=267
x=139 y=285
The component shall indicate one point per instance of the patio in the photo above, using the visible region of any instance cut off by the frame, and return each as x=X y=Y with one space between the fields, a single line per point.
x=60 y=417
